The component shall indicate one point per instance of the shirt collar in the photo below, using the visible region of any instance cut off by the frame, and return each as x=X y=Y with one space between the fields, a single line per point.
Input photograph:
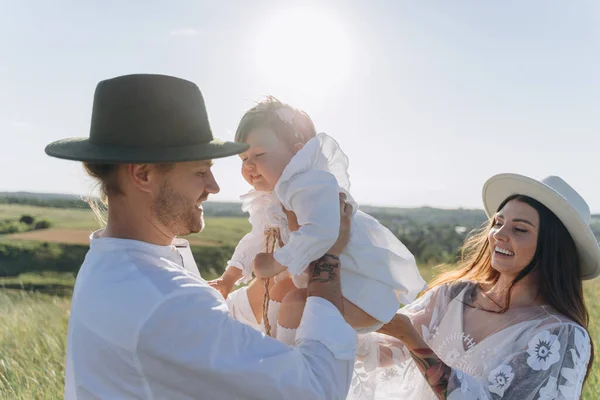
x=99 y=243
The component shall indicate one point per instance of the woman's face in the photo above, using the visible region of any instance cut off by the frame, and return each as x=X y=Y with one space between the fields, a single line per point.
x=513 y=237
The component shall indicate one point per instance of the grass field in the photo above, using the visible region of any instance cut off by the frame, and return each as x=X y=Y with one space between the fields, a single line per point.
x=32 y=345
x=60 y=217
x=74 y=226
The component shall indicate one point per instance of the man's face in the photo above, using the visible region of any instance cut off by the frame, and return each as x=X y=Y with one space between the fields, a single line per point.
x=177 y=204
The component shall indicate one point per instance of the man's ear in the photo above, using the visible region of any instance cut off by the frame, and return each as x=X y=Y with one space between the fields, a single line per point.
x=143 y=176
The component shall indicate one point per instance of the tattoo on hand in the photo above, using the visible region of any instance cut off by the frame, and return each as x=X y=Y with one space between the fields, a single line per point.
x=323 y=265
x=435 y=371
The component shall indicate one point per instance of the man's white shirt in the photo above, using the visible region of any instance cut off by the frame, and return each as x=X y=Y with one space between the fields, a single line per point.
x=145 y=325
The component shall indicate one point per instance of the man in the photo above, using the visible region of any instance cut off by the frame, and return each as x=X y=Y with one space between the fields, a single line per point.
x=142 y=325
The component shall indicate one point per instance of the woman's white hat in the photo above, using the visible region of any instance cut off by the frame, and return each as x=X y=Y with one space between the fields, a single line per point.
x=558 y=197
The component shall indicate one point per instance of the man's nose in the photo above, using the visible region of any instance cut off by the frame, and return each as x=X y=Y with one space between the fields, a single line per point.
x=211 y=184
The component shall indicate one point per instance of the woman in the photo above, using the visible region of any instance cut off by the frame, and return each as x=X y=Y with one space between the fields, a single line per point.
x=511 y=322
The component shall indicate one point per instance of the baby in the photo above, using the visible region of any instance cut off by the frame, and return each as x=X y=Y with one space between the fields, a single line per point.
x=298 y=176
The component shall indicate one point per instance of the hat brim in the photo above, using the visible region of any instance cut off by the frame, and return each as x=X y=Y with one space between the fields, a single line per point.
x=499 y=187
x=81 y=149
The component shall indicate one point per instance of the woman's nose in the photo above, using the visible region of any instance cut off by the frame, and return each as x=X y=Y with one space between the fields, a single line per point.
x=500 y=234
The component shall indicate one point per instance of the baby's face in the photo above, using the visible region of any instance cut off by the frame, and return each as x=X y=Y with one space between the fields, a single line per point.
x=264 y=162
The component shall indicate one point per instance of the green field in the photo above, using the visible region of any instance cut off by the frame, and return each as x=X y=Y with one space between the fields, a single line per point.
x=33 y=323
x=76 y=225
x=60 y=217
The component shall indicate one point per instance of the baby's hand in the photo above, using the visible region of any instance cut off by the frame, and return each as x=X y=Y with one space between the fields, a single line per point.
x=225 y=282
x=265 y=266
x=222 y=285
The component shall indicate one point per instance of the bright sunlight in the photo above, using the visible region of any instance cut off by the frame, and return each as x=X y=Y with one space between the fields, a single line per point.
x=304 y=48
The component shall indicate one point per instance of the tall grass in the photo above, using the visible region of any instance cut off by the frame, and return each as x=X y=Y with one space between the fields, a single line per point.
x=33 y=332
x=32 y=345
x=591 y=290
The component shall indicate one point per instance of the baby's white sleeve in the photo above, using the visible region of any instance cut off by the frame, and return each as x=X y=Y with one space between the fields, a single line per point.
x=245 y=252
x=314 y=197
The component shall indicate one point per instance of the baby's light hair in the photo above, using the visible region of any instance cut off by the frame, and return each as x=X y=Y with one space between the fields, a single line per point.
x=291 y=125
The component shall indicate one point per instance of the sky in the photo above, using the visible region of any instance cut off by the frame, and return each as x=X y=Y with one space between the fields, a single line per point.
x=427 y=99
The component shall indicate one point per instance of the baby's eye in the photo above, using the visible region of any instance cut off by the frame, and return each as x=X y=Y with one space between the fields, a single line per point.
x=261 y=154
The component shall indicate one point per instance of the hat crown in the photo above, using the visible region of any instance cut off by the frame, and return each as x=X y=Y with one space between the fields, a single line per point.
x=148 y=110
x=570 y=195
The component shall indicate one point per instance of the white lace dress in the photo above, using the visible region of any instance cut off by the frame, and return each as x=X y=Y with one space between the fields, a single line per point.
x=528 y=353
x=378 y=272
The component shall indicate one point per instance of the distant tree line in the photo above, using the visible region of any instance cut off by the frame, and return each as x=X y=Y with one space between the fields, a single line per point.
x=211 y=208
x=44 y=202
x=432 y=235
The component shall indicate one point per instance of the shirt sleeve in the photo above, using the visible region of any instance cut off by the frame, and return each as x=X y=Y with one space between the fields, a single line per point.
x=245 y=252
x=190 y=346
x=314 y=197
x=382 y=351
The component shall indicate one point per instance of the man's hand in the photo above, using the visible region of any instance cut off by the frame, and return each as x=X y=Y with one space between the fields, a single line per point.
x=345 y=227
x=325 y=272
x=265 y=266
x=325 y=280
x=345 y=217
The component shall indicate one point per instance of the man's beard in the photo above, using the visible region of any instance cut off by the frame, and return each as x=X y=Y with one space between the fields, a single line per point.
x=175 y=212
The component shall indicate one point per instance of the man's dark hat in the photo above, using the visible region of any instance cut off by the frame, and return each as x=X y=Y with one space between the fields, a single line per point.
x=145 y=118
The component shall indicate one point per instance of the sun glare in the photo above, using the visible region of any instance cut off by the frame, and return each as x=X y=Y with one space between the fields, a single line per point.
x=304 y=49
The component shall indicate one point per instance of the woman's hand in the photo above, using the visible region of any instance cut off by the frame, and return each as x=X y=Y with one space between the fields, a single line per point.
x=398 y=327
x=401 y=328
x=435 y=371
